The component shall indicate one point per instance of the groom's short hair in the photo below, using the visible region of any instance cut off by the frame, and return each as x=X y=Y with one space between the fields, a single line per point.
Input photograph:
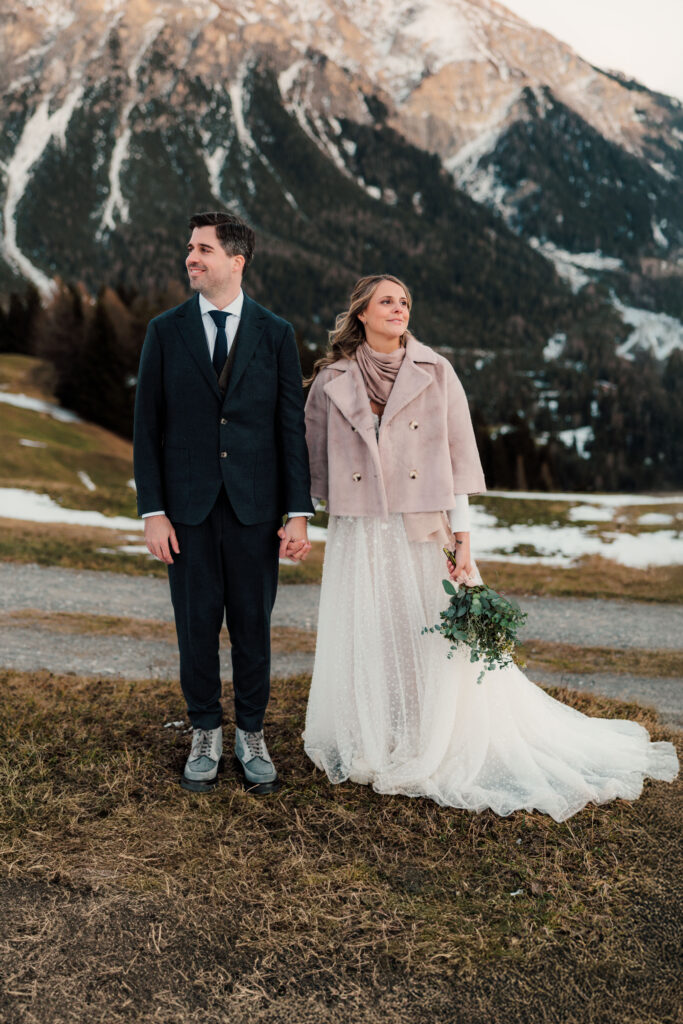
x=234 y=234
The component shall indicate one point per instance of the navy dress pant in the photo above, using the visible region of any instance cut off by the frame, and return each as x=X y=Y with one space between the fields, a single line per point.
x=225 y=571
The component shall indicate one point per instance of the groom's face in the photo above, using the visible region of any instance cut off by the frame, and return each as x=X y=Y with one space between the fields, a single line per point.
x=210 y=269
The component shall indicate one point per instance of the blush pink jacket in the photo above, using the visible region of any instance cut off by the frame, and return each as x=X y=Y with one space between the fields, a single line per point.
x=426 y=452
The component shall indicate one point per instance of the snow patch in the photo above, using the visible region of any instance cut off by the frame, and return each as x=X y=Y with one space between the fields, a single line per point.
x=86 y=480
x=37 y=405
x=658 y=234
x=40 y=508
x=554 y=347
x=40 y=129
x=246 y=139
x=31 y=444
x=654 y=332
x=288 y=77
x=571 y=266
x=655 y=519
x=214 y=165
x=579 y=437
x=115 y=200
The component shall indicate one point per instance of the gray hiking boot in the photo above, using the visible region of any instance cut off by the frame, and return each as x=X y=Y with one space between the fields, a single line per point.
x=201 y=767
x=252 y=753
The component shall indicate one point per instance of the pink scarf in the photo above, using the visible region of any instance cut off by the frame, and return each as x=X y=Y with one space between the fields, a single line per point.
x=379 y=370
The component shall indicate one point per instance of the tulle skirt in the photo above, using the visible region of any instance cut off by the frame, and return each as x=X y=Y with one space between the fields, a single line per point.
x=388 y=708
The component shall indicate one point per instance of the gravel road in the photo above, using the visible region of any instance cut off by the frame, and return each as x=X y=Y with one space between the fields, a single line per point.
x=577 y=621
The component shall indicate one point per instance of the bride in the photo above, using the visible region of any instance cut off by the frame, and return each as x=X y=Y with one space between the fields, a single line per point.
x=393 y=453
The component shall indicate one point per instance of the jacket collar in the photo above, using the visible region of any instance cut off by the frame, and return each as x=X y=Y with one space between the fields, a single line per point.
x=252 y=323
x=191 y=328
x=348 y=393
x=189 y=323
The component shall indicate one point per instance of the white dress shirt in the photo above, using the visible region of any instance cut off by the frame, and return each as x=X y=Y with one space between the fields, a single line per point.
x=231 y=324
x=210 y=330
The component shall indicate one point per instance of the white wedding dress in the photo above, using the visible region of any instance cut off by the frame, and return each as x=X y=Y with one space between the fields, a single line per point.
x=388 y=708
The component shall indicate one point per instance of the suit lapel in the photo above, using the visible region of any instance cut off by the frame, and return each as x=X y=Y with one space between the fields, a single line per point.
x=250 y=330
x=191 y=328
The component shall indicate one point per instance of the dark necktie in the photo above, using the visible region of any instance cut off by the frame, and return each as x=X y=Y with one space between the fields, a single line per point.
x=220 y=349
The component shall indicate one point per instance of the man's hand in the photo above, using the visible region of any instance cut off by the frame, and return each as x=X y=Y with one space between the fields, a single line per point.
x=160 y=538
x=294 y=542
x=463 y=570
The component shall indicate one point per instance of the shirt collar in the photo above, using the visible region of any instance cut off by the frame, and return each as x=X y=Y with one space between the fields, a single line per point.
x=235 y=307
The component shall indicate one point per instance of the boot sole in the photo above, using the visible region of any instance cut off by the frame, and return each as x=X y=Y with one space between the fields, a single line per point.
x=257 y=788
x=201 y=785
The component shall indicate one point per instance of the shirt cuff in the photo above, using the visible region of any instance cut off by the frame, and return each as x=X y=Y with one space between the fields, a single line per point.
x=294 y=515
x=459 y=517
x=146 y=515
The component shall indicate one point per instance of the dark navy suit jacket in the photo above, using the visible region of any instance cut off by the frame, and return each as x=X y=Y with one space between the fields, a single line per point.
x=189 y=440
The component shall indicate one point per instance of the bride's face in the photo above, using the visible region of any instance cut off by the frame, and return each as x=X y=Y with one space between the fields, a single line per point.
x=387 y=313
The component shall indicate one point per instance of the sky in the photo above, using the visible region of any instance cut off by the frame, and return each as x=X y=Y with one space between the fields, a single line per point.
x=643 y=38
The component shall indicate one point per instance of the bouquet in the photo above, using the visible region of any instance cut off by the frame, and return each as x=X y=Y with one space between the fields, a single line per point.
x=481 y=619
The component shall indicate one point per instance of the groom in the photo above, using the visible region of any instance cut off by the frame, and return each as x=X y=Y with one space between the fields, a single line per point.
x=220 y=457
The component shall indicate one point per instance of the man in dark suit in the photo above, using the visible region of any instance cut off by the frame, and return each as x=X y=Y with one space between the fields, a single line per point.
x=220 y=458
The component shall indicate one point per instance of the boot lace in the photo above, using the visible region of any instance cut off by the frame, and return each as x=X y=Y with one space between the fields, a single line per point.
x=255 y=743
x=201 y=743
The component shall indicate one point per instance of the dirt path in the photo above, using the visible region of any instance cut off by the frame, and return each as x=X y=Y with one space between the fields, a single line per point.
x=576 y=621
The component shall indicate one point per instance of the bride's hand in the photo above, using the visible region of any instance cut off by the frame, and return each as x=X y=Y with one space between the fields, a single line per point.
x=463 y=570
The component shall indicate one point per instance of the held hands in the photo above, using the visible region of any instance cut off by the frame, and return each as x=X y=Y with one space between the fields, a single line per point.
x=463 y=570
x=294 y=542
x=161 y=539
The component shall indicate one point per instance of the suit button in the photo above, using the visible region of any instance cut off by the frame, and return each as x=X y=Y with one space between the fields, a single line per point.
x=224 y=455
x=413 y=474
x=413 y=424
x=223 y=421
x=356 y=477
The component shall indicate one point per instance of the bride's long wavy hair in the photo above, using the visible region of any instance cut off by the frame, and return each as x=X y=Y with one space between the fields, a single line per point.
x=348 y=331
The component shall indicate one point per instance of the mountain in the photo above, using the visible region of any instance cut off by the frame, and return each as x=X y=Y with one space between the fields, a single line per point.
x=532 y=201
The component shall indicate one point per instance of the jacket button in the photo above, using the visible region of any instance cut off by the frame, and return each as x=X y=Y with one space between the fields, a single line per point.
x=223 y=421
x=224 y=455
x=413 y=474
x=413 y=424
x=356 y=477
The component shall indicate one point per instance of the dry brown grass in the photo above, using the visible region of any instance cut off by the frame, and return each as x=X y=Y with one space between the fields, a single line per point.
x=72 y=547
x=284 y=639
x=125 y=899
x=633 y=661
x=592 y=577
x=77 y=547
x=80 y=547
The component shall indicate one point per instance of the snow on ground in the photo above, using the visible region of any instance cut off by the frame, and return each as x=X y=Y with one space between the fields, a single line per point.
x=38 y=131
x=37 y=405
x=579 y=436
x=554 y=347
x=656 y=332
x=612 y=500
x=86 y=480
x=40 y=508
x=31 y=444
x=562 y=545
x=572 y=266
x=536 y=543
x=592 y=514
x=655 y=519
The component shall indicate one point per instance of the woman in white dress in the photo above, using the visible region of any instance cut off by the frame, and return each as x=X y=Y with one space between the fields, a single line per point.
x=392 y=452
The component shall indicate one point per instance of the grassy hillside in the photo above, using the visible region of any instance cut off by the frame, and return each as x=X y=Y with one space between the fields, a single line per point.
x=65 y=449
